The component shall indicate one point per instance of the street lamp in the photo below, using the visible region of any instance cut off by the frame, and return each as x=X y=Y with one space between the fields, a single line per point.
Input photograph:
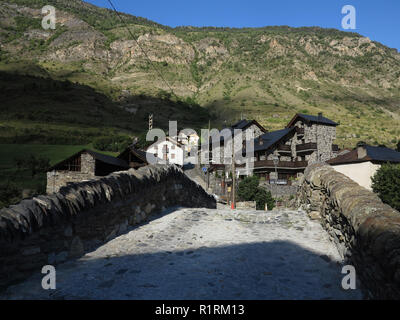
x=275 y=159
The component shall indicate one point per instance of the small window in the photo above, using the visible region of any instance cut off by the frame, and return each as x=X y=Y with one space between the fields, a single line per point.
x=172 y=156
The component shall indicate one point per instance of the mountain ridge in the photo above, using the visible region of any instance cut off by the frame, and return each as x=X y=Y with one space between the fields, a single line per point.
x=266 y=73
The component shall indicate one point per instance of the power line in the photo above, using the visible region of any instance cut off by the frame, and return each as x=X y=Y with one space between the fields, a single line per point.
x=143 y=51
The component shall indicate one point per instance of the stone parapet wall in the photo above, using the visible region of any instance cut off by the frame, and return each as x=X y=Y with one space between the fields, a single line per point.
x=365 y=230
x=58 y=179
x=50 y=229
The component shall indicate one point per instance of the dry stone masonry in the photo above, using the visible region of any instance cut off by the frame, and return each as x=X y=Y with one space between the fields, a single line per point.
x=365 y=230
x=50 y=229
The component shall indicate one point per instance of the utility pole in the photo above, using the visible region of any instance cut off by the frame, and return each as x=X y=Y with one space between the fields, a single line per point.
x=151 y=121
x=233 y=204
x=208 y=171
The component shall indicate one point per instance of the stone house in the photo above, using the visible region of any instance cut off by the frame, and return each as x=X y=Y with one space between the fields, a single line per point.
x=307 y=139
x=361 y=163
x=221 y=155
x=82 y=166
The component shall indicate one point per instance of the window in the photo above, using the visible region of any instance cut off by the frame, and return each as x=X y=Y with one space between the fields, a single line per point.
x=173 y=147
x=172 y=156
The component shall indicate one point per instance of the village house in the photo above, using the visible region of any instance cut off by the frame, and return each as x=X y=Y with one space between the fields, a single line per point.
x=221 y=154
x=362 y=163
x=188 y=140
x=134 y=157
x=306 y=139
x=83 y=165
x=168 y=151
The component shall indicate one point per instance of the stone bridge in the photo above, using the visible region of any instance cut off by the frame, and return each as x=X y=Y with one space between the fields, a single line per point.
x=112 y=239
x=204 y=254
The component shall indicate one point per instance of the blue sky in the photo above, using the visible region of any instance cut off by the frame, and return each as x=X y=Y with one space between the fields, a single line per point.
x=378 y=20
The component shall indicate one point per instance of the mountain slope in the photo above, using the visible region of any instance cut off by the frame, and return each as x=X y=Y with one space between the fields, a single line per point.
x=263 y=73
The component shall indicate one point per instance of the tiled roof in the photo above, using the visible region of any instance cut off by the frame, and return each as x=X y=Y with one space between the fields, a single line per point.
x=374 y=154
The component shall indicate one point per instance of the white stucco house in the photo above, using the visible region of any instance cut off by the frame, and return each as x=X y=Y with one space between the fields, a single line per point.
x=167 y=151
x=362 y=163
x=188 y=139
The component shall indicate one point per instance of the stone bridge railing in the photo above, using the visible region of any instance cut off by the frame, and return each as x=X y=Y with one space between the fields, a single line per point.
x=365 y=230
x=50 y=229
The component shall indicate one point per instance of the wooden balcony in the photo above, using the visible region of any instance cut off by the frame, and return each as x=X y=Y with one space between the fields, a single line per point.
x=284 y=149
x=305 y=147
x=281 y=164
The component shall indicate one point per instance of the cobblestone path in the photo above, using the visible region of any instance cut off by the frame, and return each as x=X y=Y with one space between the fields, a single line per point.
x=205 y=254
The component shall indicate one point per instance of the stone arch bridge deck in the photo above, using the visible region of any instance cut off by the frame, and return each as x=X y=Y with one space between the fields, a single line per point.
x=204 y=254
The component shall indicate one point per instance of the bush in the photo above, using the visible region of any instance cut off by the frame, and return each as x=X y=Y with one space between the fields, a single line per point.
x=264 y=197
x=249 y=190
x=386 y=184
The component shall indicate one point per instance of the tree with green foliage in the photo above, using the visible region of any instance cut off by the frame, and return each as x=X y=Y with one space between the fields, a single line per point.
x=386 y=184
x=249 y=190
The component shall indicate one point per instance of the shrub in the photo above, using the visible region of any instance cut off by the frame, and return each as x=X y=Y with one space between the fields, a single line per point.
x=386 y=184
x=249 y=190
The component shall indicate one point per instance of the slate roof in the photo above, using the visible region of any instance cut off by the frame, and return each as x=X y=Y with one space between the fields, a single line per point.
x=108 y=159
x=271 y=138
x=142 y=155
x=374 y=154
x=313 y=119
x=98 y=156
x=243 y=124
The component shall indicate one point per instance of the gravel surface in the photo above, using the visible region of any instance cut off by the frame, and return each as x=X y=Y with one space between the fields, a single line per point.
x=205 y=254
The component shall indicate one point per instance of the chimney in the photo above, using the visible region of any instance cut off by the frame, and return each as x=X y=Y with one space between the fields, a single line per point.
x=361 y=150
x=319 y=115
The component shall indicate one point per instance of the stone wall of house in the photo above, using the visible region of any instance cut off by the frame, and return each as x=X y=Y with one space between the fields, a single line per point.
x=279 y=191
x=365 y=231
x=256 y=131
x=88 y=164
x=324 y=137
x=50 y=229
x=58 y=179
